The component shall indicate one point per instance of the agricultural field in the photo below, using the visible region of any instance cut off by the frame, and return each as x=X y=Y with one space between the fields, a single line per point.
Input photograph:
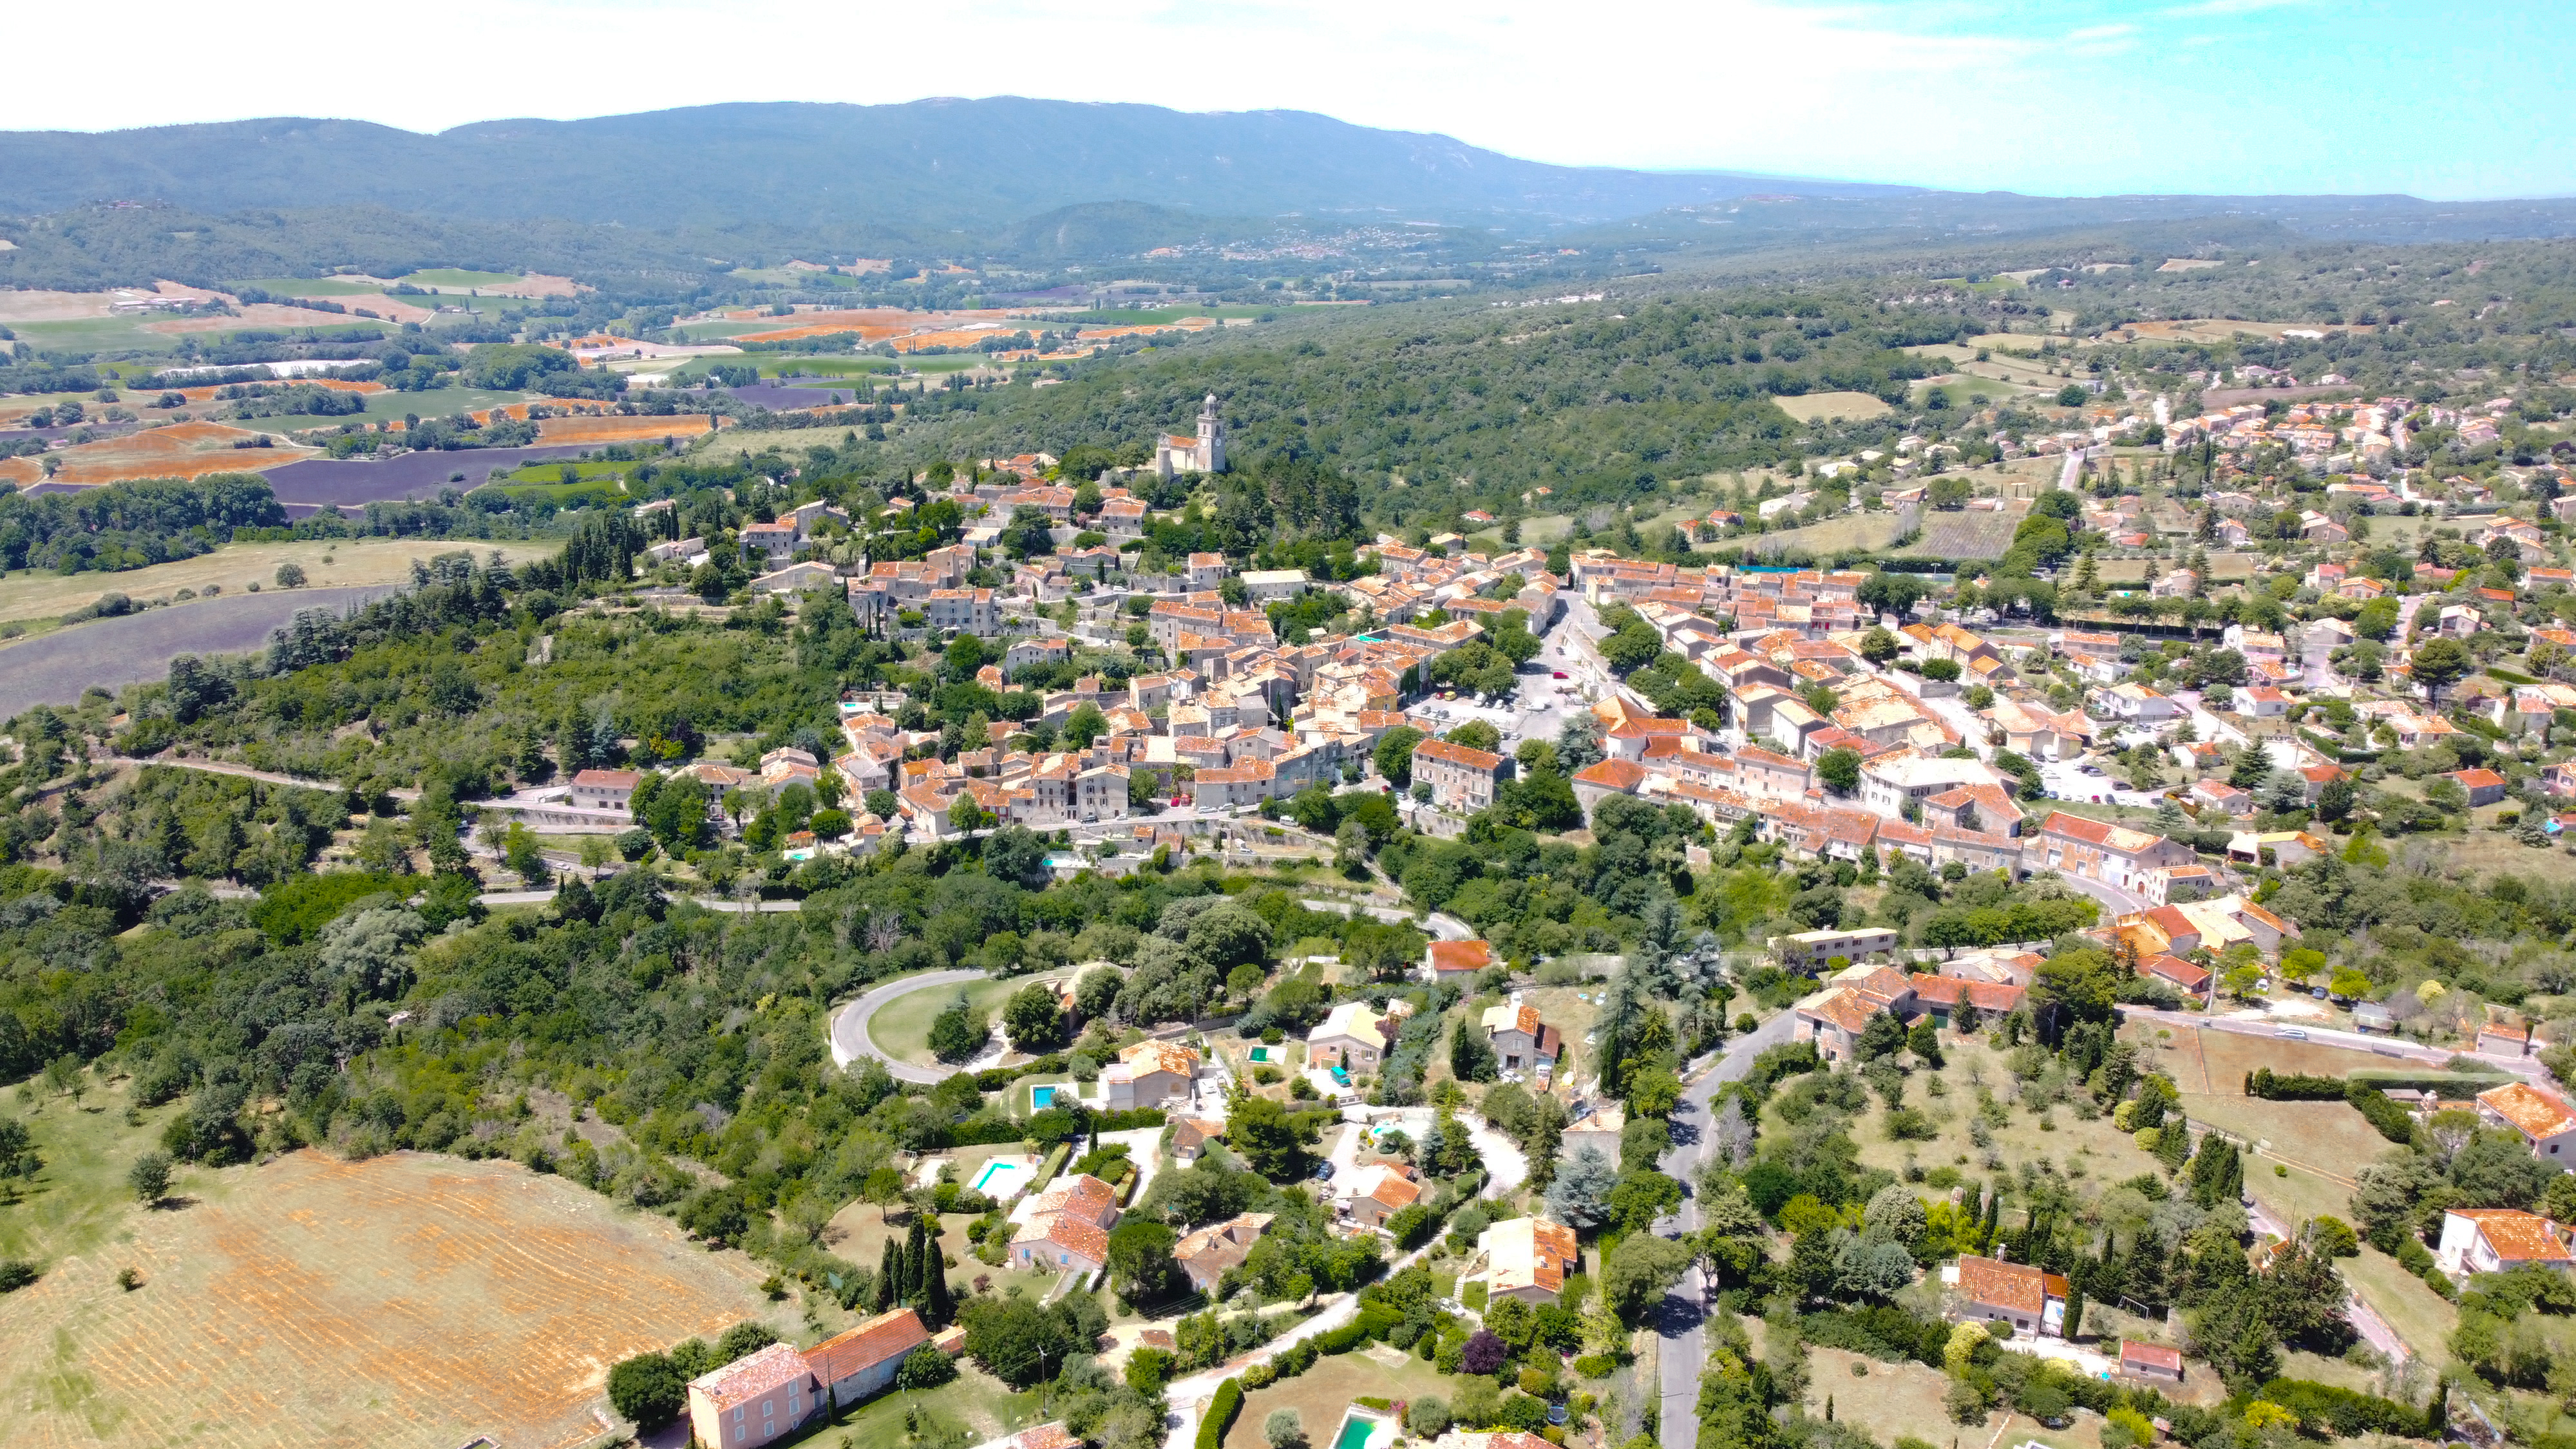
x=109 y=654
x=1818 y=406
x=180 y=450
x=314 y=1301
x=601 y=430
x=1871 y=531
x=1964 y=535
x=28 y=594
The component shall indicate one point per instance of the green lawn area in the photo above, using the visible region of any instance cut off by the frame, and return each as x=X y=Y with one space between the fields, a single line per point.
x=441 y=277
x=79 y=1202
x=1872 y=531
x=974 y=1409
x=902 y=1028
x=1322 y=1393
x=2419 y=1314
x=96 y=334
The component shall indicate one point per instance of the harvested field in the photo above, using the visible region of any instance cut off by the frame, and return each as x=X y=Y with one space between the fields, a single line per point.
x=2217 y=1061
x=1965 y=535
x=1814 y=406
x=32 y=595
x=1873 y=531
x=622 y=429
x=181 y=450
x=112 y=653
x=2189 y=264
x=257 y=314
x=2219 y=329
x=410 y=1299
x=42 y=306
x=824 y=329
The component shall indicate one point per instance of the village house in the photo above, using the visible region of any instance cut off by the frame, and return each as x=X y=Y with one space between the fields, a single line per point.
x=1457 y=961
x=1378 y=1192
x=1148 y=1074
x=2496 y=1240
x=1521 y=1042
x=1462 y=780
x=1207 y=1253
x=2547 y=1127
x=604 y=789
x=1066 y=1228
x=1349 y=1036
x=2111 y=855
x=1528 y=1259
x=2150 y=1361
x=2015 y=1296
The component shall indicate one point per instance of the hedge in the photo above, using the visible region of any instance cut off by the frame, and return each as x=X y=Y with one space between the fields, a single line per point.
x=2376 y=1108
x=1127 y=1121
x=2274 y=1086
x=2429 y=1079
x=1220 y=1414
x=994 y=1079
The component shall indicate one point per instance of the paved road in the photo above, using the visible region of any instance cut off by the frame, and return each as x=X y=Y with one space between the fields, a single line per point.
x=850 y=1025
x=1678 y=1325
x=1445 y=928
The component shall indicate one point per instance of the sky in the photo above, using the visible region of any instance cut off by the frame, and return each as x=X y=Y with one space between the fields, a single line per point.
x=2067 y=97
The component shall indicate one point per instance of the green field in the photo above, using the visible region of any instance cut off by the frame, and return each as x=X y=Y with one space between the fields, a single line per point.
x=440 y=278
x=95 y=334
x=1149 y=317
x=384 y=406
x=826 y=366
x=311 y=287
x=902 y=1028
x=79 y=1203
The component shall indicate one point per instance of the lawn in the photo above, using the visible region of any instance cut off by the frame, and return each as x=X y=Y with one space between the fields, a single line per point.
x=2420 y=1315
x=901 y=1029
x=1322 y=1393
x=975 y=1409
x=28 y=594
x=80 y=1203
x=312 y=287
x=1817 y=406
x=1873 y=532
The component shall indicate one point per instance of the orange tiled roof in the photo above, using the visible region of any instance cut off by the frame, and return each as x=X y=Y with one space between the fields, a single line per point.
x=2017 y=1287
x=2535 y=1112
x=886 y=1336
x=2517 y=1236
x=1461 y=955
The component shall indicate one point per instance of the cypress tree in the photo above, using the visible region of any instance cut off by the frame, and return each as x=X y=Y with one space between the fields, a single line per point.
x=938 y=1307
x=919 y=1263
x=889 y=1269
x=1994 y=1208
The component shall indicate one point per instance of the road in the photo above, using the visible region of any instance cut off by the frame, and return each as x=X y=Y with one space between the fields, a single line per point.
x=1445 y=928
x=850 y=1024
x=1678 y=1325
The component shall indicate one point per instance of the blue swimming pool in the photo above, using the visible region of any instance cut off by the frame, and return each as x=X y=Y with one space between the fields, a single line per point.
x=1040 y=1097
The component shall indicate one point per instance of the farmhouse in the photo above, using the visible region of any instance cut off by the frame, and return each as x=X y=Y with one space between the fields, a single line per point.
x=861 y=1362
x=1350 y=1036
x=1067 y=1227
x=604 y=789
x=1521 y=1041
x=753 y=1399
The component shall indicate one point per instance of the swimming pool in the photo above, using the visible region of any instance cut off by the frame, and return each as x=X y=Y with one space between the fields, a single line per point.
x=1262 y=1054
x=1002 y=1177
x=1355 y=1433
x=1041 y=1097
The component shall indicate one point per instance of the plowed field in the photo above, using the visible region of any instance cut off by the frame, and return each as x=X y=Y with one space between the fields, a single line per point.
x=408 y=1300
x=181 y=450
x=614 y=429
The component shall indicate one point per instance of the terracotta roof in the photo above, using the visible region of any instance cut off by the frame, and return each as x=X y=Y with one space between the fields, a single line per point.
x=771 y=1368
x=2517 y=1236
x=1461 y=955
x=2150 y=1355
x=1160 y=1056
x=1951 y=990
x=1088 y=1239
x=886 y=1336
x=1044 y=1436
x=2017 y=1287
x=1456 y=754
x=2535 y=1112
x=1614 y=774
x=2176 y=970
x=609 y=779
x=1843 y=1007
x=2095 y=832
x=1393 y=1191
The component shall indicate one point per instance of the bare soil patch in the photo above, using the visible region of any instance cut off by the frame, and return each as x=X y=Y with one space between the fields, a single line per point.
x=1814 y=406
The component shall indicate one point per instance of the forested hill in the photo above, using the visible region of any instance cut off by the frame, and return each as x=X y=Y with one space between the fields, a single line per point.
x=1595 y=401
x=975 y=163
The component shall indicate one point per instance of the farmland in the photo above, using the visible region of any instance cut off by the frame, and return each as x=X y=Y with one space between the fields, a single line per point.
x=312 y=1301
x=181 y=450
x=30 y=595
x=1964 y=535
x=112 y=653
x=1817 y=406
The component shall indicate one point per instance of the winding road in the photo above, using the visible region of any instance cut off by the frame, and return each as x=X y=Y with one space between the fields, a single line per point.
x=850 y=1025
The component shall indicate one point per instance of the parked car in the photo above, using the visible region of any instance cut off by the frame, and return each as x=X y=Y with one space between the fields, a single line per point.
x=1559 y=674
x=2291 y=1033
x=1323 y=1171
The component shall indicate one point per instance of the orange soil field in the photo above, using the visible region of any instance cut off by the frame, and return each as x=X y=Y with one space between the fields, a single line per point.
x=826 y=329
x=407 y=1300
x=621 y=429
x=181 y=450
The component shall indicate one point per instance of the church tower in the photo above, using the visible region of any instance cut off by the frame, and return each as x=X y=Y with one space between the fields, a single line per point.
x=1211 y=449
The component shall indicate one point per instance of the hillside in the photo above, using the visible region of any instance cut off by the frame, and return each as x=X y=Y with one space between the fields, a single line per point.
x=934 y=162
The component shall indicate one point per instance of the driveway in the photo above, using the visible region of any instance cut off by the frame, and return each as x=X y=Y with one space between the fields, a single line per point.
x=1443 y=928
x=850 y=1024
x=1679 y=1322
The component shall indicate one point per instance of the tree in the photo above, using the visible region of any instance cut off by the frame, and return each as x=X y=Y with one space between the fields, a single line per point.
x=1395 y=754
x=1878 y=646
x=647 y=1390
x=1033 y=1019
x=1258 y=1127
x=1140 y=1260
x=1640 y=1269
x=290 y=575
x=1580 y=1195
x=2441 y=663
x=1471 y=1057
x=1884 y=1036
x=959 y=1031
x=1284 y=1430
x=1477 y=735
x=1839 y=770
x=1924 y=1043
x=150 y=1177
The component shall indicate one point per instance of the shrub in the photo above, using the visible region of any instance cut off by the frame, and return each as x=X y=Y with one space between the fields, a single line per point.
x=647 y=1390
x=2381 y=1112
x=927 y=1368
x=1596 y=1366
x=1260 y=1376
x=1284 y=1430
x=16 y=1273
x=1426 y=1418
